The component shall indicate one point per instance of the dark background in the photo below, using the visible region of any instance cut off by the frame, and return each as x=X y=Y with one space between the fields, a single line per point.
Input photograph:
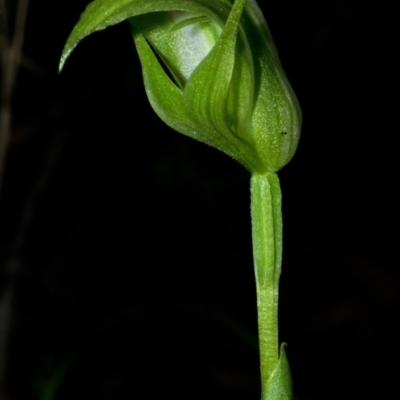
x=135 y=268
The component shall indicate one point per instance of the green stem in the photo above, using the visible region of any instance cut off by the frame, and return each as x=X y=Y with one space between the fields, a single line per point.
x=266 y=218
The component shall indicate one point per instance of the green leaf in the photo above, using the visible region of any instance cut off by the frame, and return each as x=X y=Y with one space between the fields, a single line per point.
x=279 y=385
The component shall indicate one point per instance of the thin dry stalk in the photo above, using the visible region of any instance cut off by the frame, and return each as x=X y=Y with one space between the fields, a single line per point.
x=11 y=54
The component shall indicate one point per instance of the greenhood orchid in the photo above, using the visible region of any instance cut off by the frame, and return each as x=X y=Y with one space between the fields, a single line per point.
x=228 y=88
x=211 y=71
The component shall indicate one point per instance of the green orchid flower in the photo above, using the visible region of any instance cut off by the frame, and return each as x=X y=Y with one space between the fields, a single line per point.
x=211 y=71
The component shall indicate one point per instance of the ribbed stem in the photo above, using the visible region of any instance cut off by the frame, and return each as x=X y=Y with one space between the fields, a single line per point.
x=266 y=218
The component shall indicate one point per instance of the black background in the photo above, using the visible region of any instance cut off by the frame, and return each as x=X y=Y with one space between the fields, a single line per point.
x=135 y=276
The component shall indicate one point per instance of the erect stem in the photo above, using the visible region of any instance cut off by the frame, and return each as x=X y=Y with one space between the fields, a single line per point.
x=266 y=219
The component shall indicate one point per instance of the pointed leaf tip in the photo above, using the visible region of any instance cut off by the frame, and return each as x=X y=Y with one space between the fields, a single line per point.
x=64 y=55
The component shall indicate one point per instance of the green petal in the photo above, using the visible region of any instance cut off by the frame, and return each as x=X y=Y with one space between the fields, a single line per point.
x=167 y=99
x=241 y=91
x=206 y=92
x=181 y=39
x=208 y=89
x=164 y=96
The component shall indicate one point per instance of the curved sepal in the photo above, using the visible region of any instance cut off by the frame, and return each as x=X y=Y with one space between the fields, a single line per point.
x=276 y=119
x=100 y=14
x=167 y=99
x=279 y=384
